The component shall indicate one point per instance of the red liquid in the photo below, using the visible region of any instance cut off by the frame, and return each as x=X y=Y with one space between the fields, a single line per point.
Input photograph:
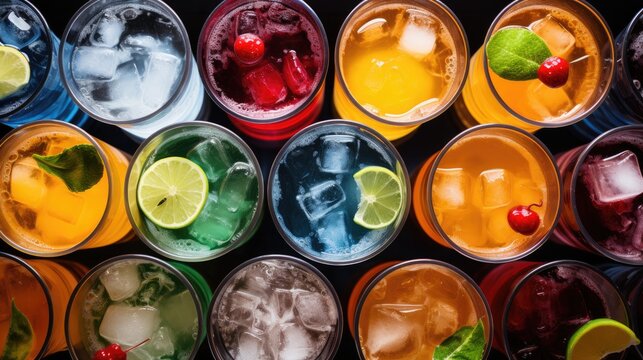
x=272 y=98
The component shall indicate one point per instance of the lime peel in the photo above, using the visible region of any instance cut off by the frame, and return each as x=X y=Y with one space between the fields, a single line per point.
x=380 y=197
x=598 y=338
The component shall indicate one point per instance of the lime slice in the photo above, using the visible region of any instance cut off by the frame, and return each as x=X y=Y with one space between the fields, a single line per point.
x=598 y=338
x=14 y=71
x=172 y=192
x=380 y=197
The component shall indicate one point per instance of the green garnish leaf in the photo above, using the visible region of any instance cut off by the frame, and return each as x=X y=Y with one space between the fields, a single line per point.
x=467 y=343
x=20 y=338
x=516 y=53
x=79 y=166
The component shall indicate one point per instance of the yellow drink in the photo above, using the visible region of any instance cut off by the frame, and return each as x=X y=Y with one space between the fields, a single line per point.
x=474 y=182
x=40 y=215
x=398 y=65
x=573 y=31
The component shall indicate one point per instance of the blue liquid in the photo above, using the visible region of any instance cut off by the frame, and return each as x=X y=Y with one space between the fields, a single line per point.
x=315 y=197
x=43 y=97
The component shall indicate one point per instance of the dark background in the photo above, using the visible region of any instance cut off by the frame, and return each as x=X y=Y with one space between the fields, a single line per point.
x=476 y=16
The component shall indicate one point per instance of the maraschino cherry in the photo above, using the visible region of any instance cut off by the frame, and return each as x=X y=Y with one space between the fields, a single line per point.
x=249 y=48
x=523 y=220
x=554 y=71
x=114 y=352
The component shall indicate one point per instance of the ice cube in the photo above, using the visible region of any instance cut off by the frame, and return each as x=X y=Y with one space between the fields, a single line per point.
x=70 y=211
x=127 y=325
x=282 y=21
x=265 y=85
x=451 y=188
x=28 y=183
x=295 y=74
x=549 y=102
x=465 y=233
x=395 y=330
x=249 y=347
x=161 y=344
x=38 y=53
x=158 y=82
x=418 y=35
x=211 y=156
x=140 y=43
x=527 y=192
x=373 y=31
x=499 y=233
x=441 y=321
x=94 y=63
x=121 y=280
x=496 y=188
x=283 y=302
x=247 y=23
x=107 y=32
x=558 y=39
x=125 y=89
x=298 y=163
x=315 y=311
x=614 y=179
x=16 y=31
x=332 y=234
x=338 y=153
x=296 y=343
x=321 y=199
x=264 y=318
x=242 y=308
x=237 y=187
x=215 y=225
x=179 y=311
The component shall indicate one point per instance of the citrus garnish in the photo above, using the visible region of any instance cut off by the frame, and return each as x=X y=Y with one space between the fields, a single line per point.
x=172 y=192
x=14 y=71
x=380 y=197
x=598 y=338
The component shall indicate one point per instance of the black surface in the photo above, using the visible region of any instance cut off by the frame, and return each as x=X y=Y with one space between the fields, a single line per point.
x=476 y=16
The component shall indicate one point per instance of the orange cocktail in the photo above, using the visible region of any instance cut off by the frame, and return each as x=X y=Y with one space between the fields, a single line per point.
x=40 y=215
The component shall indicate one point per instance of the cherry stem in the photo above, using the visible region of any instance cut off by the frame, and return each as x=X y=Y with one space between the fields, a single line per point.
x=540 y=204
x=137 y=345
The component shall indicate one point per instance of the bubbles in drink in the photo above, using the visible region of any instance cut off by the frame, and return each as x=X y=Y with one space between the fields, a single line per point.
x=634 y=56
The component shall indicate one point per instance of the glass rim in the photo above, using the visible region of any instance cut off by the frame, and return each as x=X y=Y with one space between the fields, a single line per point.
x=43 y=80
x=108 y=172
x=47 y=293
x=256 y=216
x=225 y=283
x=143 y=258
x=229 y=110
x=540 y=267
x=577 y=117
x=434 y=219
x=578 y=164
x=622 y=53
x=387 y=145
x=164 y=10
x=366 y=290
x=339 y=75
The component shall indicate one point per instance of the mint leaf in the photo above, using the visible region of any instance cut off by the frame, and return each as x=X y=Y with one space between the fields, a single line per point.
x=80 y=166
x=20 y=337
x=467 y=343
x=515 y=53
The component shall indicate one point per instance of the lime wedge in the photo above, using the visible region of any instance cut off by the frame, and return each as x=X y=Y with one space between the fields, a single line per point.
x=380 y=197
x=598 y=338
x=20 y=337
x=14 y=71
x=172 y=192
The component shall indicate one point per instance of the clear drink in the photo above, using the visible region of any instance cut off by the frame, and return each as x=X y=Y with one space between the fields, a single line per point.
x=134 y=298
x=462 y=195
x=603 y=202
x=405 y=310
x=40 y=290
x=398 y=64
x=314 y=197
x=624 y=103
x=271 y=97
x=275 y=307
x=40 y=215
x=572 y=30
x=235 y=201
x=22 y=27
x=129 y=63
x=537 y=307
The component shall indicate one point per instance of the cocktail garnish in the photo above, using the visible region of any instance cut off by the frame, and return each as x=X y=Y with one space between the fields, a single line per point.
x=466 y=343
x=14 y=71
x=380 y=197
x=20 y=337
x=554 y=72
x=249 y=48
x=598 y=338
x=115 y=352
x=79 y=166
x=523 y=220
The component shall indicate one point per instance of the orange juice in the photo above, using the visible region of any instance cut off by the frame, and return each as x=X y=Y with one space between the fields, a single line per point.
x=40 y=215
x=398 y=64
x=462 y=195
